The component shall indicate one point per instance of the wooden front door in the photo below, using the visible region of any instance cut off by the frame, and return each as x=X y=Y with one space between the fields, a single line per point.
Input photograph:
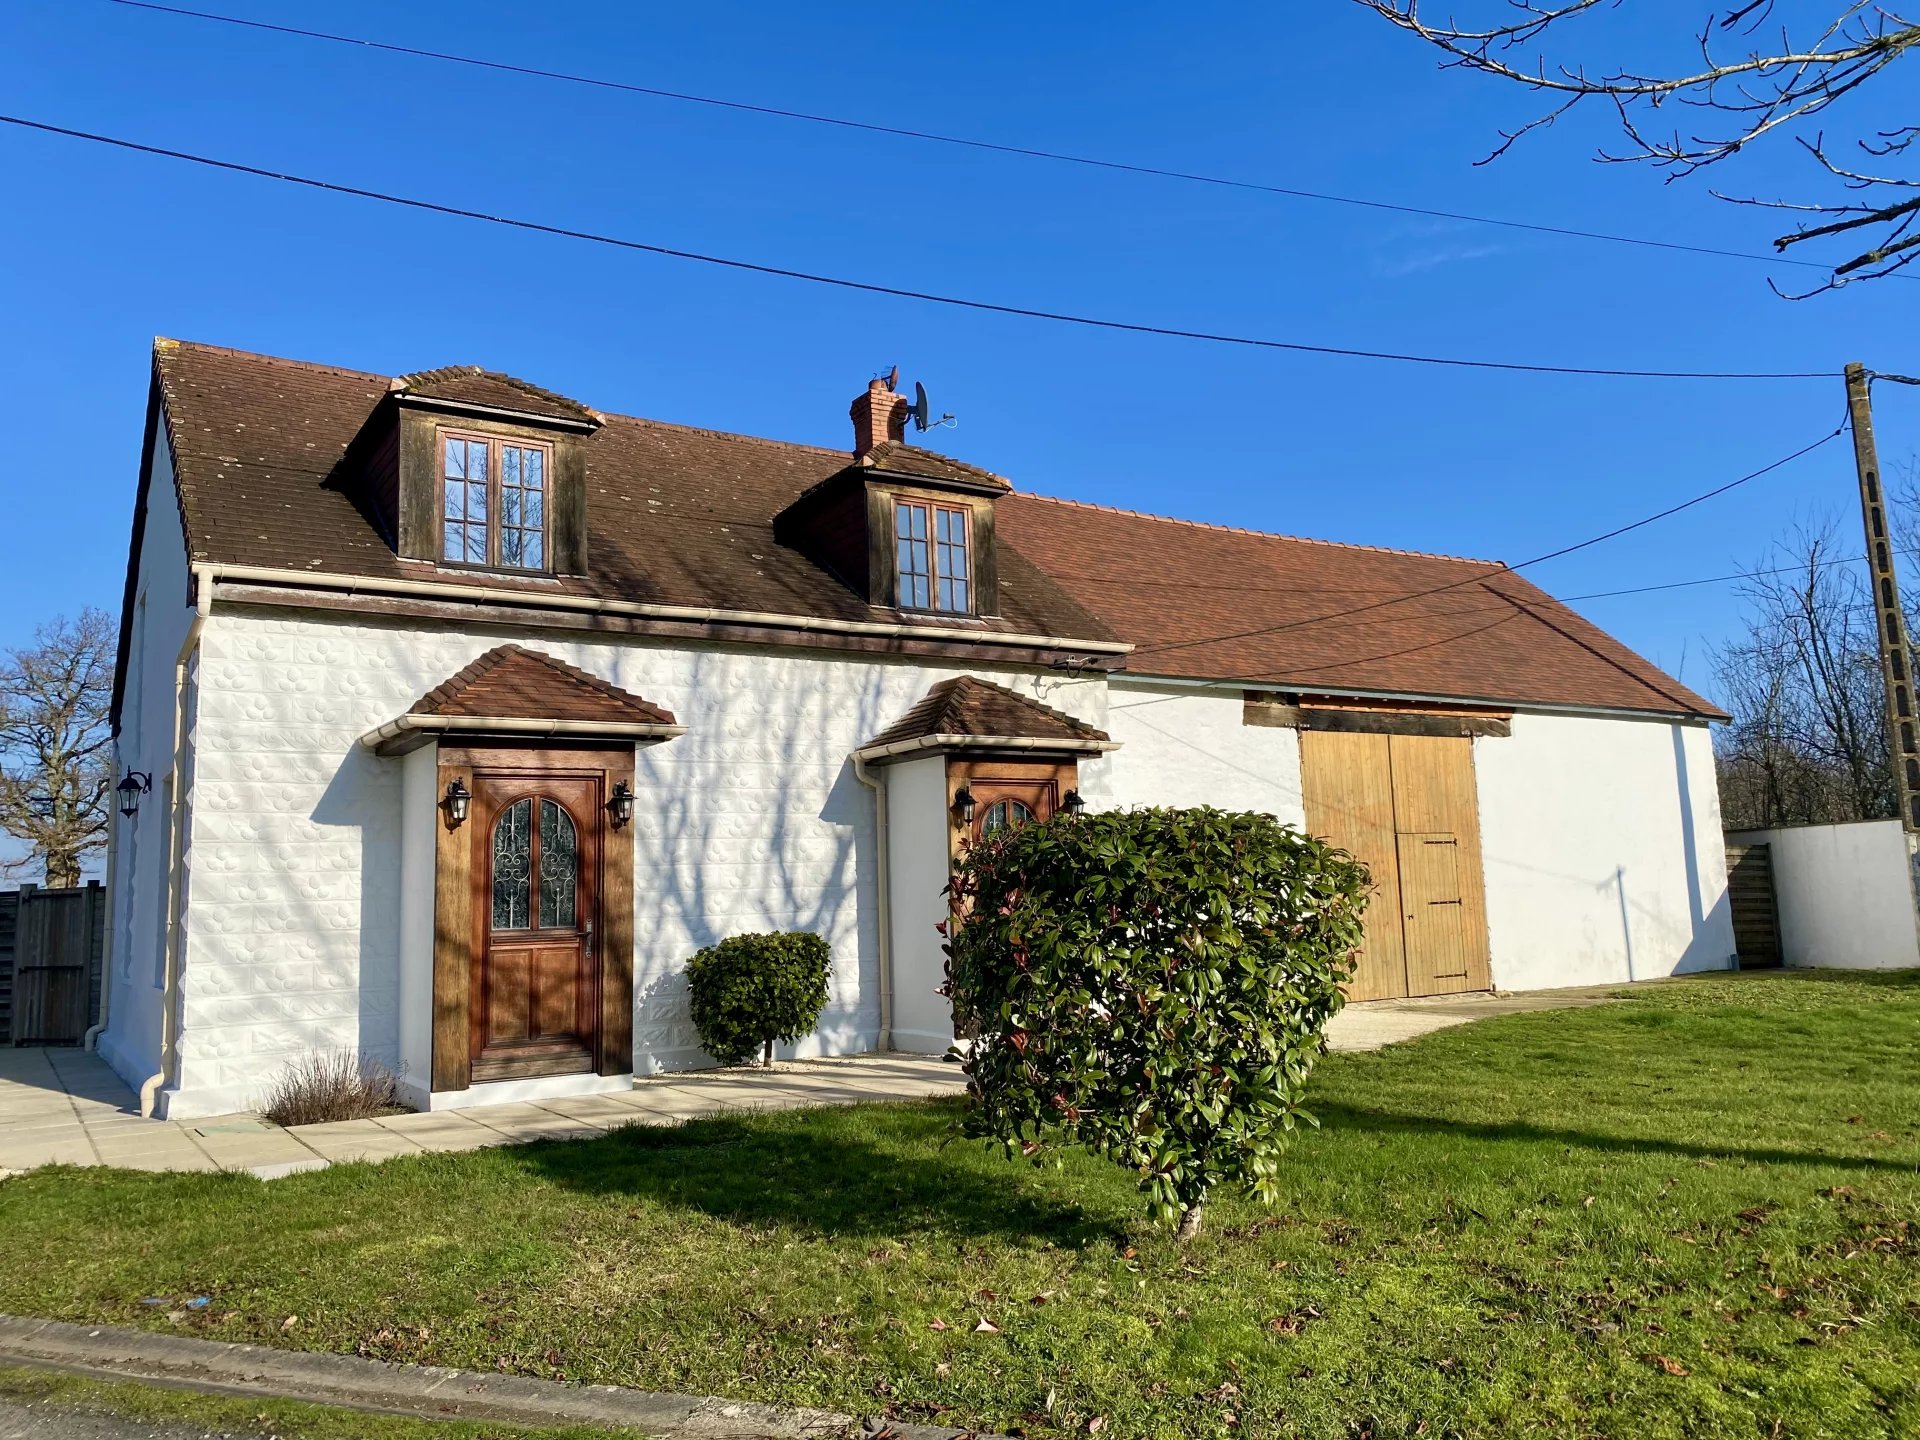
x=1007 y=803
x=1008 y=792
x=536 y=905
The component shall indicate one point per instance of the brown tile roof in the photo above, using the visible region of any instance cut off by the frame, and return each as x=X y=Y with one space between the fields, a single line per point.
x=510 y=682
x=677 y=515
x=470 y=385
x=684 y=516
x=891 y=457
x=968 y=705
x=1211 y=602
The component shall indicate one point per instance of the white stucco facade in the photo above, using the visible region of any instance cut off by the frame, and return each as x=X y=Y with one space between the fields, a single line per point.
x=1187 y=745
x=919 y=845
x=1844 y=894
x=306 y=930
x=308 y=861
x=162 y=614
x=1603 y=852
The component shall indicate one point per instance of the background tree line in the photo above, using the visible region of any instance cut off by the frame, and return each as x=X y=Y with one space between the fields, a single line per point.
x=1808 y=742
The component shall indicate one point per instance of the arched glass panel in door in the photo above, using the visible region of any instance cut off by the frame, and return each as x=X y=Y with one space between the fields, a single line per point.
x=1004 y=814
x=526 y=866
x=559 y=867
x=513 y=866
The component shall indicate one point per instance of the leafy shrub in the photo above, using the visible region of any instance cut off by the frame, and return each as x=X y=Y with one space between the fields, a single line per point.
x=331 y=1085
x=1152 y=985
x=751 y=990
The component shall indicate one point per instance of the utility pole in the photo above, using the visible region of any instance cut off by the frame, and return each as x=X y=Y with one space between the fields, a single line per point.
x=1891 y=625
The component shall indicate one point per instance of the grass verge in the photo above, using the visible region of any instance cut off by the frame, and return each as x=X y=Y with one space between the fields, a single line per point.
x=1693 y=1213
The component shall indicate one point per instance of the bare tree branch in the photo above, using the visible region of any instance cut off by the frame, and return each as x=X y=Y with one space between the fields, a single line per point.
x=1755 y=93
x=56 y=764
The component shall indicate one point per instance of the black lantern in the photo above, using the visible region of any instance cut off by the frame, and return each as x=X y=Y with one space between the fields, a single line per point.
x=1072 y=803
x=963 y=805
x=459 y=800
x=137 y=783
x=620 y=804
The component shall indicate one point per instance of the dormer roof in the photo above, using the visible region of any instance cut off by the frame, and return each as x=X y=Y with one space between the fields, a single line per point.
x=470 y=386
x=897 y=460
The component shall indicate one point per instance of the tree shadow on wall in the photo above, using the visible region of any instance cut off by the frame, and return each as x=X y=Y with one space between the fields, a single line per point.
x=863 y=1171
x=747 y=831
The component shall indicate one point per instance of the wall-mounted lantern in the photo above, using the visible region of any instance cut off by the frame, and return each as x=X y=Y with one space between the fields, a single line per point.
x=1072 y=803
x=963 y=806
x=137 y=783
x=620 y=805
x=458 y=801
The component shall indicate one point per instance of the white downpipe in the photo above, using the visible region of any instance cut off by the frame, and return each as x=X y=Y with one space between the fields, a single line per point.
x=91 y=1040
x=176 y=825
x=883 y=905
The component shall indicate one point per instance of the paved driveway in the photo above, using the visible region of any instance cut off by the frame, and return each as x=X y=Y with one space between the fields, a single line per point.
x=61 y=1106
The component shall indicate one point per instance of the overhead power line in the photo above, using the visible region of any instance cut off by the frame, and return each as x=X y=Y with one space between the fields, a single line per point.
x=894 y=291
x=1029 y=152
x=1494 y=571
x=1727 y=579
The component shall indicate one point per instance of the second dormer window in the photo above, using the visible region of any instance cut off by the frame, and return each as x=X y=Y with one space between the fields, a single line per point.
x=493 y=502
x=930 y=545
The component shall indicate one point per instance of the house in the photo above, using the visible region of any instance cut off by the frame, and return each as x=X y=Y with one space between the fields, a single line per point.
x=454 y=715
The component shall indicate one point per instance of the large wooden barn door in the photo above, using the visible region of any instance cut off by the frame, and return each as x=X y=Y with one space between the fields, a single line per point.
x=1406 y=805
x=1443 y=891
x=1348 y=786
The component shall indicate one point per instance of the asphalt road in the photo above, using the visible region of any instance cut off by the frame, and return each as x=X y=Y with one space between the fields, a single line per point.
x=45 y=1422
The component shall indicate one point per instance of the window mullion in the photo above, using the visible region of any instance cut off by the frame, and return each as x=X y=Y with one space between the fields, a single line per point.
x=495 y=489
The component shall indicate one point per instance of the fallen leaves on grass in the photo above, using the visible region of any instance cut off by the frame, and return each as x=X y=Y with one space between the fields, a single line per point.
x=1669 y=1364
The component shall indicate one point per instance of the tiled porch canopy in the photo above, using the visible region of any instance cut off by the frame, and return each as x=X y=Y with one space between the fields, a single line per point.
x=968 y=713
x=514 y=691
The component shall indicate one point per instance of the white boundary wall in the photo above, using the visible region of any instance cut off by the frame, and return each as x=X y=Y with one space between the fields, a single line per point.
x=1844 y=894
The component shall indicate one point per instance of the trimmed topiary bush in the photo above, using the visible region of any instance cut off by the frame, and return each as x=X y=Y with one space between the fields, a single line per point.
x=751 y=990
x=1152 y=985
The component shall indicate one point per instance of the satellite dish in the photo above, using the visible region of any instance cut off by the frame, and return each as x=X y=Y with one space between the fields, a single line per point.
x=919 y=410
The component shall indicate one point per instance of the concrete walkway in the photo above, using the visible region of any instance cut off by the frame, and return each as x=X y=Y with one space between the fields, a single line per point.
x=1375 y=1024
x=65 y=1107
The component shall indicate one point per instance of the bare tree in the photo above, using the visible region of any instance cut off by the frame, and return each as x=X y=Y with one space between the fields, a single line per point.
x=56 y=760
x=1808 y=743
x=1867 y=192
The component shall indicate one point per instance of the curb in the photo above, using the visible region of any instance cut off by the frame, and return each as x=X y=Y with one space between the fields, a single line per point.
x=432 y=1391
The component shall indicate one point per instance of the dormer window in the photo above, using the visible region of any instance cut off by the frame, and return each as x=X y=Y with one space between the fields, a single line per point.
x=931 y=555
x=493 y=504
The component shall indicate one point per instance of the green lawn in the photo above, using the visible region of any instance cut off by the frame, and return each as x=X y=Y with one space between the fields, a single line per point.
x=193 y=1412
x=1692 y=1213
x=269 y=1419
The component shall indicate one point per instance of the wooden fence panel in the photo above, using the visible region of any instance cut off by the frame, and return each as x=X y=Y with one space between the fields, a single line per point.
x=1756 y=915
x=9 y=916
x=55 y=971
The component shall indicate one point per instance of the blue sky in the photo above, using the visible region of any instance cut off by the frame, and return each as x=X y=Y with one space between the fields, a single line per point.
x=100 y=251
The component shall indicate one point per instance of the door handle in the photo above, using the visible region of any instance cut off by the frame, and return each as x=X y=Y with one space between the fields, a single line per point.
x=589 y=936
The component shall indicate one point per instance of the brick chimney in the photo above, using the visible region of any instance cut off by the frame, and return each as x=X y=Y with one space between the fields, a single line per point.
x=878 y=415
